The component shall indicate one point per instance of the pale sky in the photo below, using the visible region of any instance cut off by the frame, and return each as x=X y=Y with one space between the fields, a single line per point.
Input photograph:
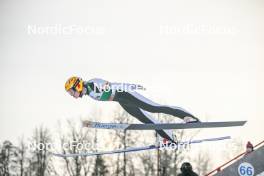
x=205 y=56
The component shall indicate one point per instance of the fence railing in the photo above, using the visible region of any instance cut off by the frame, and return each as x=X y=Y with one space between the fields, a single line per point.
x=218 y=169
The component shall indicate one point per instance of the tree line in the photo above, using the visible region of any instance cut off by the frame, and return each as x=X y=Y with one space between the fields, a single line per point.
x=19 y=159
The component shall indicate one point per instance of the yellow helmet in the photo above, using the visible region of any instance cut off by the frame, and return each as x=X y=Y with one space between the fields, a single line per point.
x=75 y=83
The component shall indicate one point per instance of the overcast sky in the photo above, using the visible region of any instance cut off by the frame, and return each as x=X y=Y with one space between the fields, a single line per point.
x=205 y=56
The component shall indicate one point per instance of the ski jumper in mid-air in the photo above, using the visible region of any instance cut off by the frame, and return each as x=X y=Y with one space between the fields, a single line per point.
x=126 y=95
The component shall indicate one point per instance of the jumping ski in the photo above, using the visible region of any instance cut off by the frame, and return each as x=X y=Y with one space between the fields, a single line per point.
x=136 y=149
x=161 y=126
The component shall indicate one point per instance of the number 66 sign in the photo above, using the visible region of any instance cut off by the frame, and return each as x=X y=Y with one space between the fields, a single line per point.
x=245 y=169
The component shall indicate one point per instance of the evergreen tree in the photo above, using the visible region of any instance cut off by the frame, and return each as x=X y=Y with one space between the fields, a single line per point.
x=100 y=169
